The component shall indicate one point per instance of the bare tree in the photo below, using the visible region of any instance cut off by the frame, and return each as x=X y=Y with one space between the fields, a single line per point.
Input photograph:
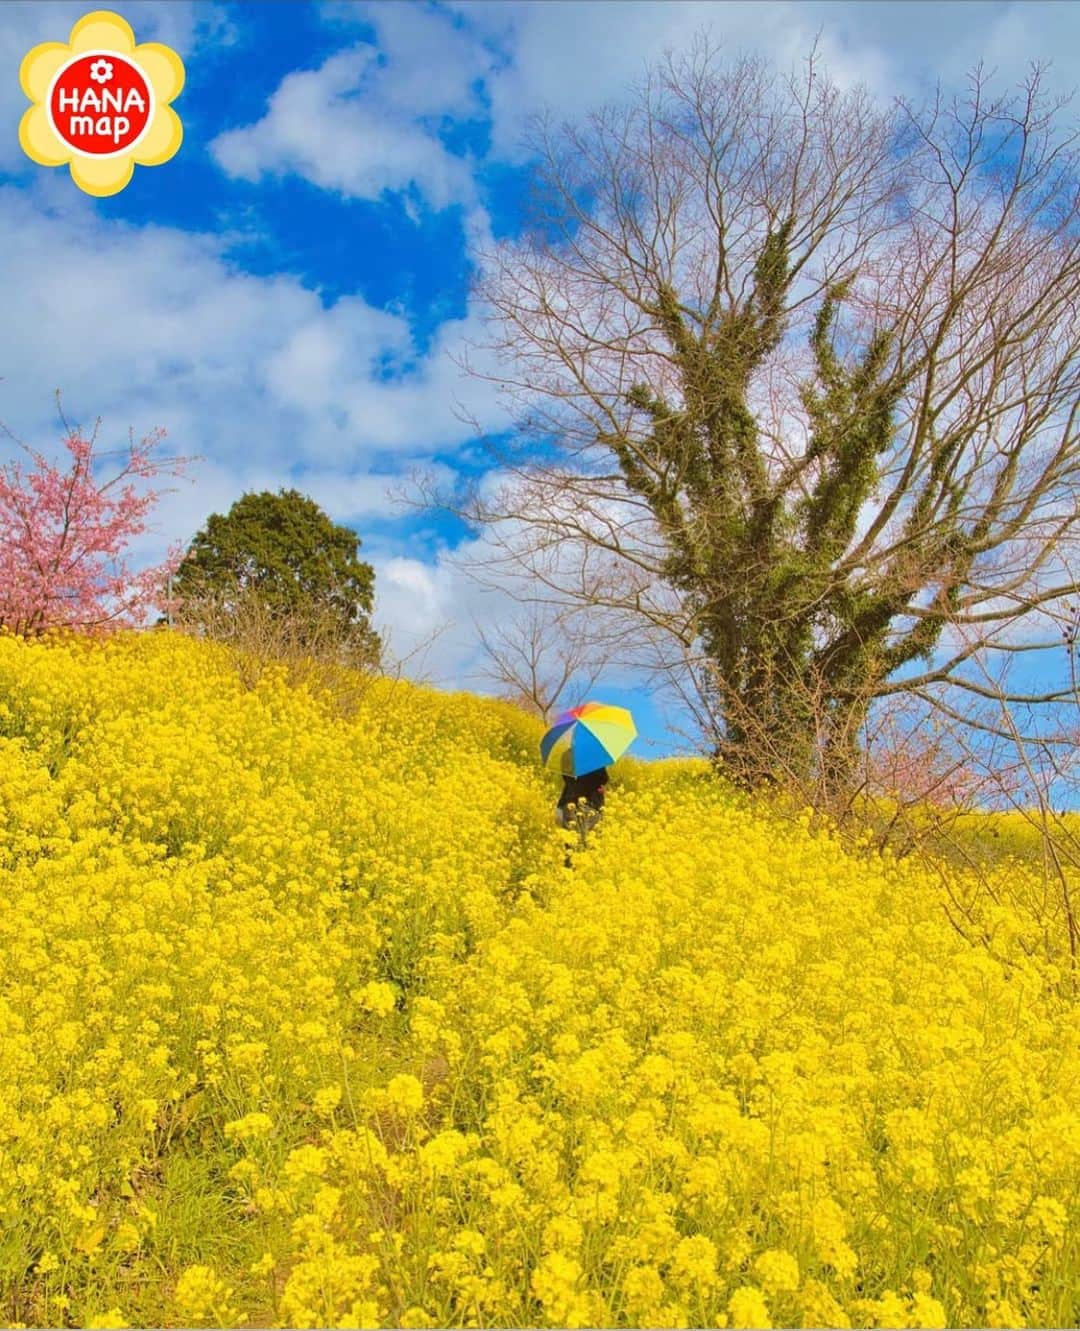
x=796 y=385
x=1049 y=766
x=310 y=643
x=536 y=656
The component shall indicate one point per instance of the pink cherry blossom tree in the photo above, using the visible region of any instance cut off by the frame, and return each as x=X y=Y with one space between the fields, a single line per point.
x=64 y=533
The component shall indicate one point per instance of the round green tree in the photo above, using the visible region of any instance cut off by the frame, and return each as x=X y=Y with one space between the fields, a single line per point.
x=283 y=554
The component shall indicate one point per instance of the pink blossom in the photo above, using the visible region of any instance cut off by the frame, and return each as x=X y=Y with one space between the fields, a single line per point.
x=63 y=534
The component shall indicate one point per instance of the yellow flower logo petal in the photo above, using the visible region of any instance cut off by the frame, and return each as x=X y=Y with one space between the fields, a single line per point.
x=101 y=103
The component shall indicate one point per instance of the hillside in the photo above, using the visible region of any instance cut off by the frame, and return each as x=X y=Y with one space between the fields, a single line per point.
x=303 y=1022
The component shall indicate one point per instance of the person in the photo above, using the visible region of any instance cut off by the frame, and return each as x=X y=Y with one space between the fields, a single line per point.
x=582 y=802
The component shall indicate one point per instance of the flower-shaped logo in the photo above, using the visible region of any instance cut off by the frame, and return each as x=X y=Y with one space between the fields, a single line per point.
x=101 y=103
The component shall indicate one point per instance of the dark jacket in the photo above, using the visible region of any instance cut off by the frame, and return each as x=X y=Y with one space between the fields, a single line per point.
x=589 y=788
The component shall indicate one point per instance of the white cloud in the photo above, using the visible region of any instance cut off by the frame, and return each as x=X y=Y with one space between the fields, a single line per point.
x=355 y=495
x=368 y=119
x=425 y=611
x=571 y=55
x=431 y=64
x=318 y=127
x=152 y=326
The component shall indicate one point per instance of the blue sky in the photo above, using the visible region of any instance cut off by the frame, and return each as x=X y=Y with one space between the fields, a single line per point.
x=287 y=296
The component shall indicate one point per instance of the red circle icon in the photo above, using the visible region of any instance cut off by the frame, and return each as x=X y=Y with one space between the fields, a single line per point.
x=100 y=103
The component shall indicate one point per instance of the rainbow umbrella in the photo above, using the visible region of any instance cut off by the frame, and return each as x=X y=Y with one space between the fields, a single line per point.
x=587 y=738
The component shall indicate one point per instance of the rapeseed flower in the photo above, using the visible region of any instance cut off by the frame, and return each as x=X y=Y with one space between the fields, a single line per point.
x=280 y=1043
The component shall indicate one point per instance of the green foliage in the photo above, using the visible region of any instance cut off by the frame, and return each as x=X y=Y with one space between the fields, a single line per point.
x=285 y=551
x=791 y=640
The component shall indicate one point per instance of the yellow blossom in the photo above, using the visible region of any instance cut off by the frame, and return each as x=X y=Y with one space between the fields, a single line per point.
x=280 y=1030
x=747 y=1308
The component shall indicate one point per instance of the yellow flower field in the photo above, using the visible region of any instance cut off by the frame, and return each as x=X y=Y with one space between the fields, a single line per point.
x=303 y=1022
